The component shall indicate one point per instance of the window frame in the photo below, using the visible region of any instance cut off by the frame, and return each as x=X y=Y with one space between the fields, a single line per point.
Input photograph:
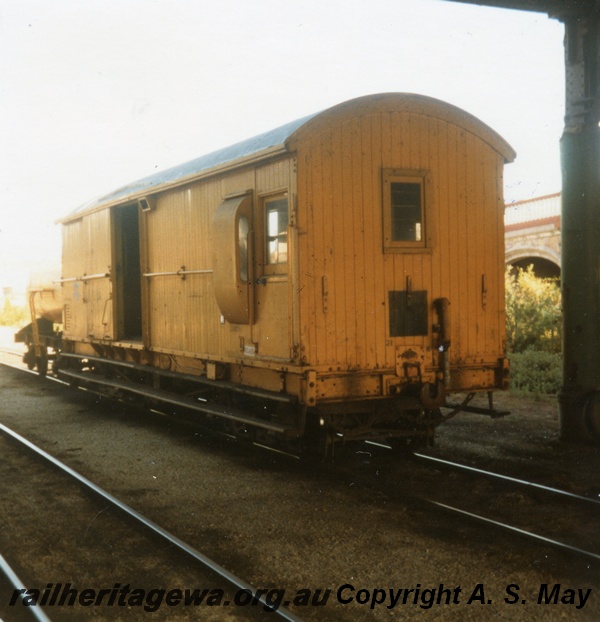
x=280 y=267
x=406 y=176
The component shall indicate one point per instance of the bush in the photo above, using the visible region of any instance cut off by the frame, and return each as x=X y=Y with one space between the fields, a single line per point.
x=533 y=312
x=533 y=332
x=537 y=372
x=13 y=315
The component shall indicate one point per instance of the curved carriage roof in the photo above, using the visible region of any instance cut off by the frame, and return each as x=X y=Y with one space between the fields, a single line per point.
x=277 y=140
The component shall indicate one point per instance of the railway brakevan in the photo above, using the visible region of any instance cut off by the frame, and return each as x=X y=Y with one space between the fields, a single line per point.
x=332 y=279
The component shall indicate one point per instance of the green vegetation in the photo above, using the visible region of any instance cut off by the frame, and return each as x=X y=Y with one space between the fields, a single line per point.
x=536 y=372
x=13 y=315
x=533 y=332
x=533 y=312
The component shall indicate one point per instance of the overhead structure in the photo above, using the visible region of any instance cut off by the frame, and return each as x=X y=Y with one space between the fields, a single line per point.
x=554 y=8
x=579 y=399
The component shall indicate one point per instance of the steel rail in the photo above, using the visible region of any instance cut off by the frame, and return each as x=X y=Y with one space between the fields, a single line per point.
x=12 y=351
x=517 y=530
x=232 y=579
x=505 y=526
x=507 y=478
x=30 y=371
x=18 y=585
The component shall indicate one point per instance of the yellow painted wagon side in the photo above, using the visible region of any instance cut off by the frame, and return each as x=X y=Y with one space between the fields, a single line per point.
x=86 y=278
x=355 y=278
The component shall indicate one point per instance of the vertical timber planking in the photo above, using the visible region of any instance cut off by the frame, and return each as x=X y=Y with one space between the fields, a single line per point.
x=370 y=172
x=358 y=260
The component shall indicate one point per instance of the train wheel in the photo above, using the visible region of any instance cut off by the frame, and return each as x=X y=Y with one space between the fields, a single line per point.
x=318 y=440
x=41 y=362
x=29 y=358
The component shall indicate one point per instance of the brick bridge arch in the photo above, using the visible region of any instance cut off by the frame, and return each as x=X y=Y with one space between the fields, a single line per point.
x=532 y=235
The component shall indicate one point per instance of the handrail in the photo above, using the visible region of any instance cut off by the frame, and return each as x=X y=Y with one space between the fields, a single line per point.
x=182 y=272
x=85 y=277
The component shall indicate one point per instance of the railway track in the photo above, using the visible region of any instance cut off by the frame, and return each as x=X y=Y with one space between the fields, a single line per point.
x=11 y=357
x=541 y=514
x=11 y=352
x=539 y=498
x=522 y=509
x=244 y=595
x=9 y=577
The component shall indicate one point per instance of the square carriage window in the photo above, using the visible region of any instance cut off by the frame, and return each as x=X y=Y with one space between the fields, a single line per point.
x=276 y=220
x=403 y=210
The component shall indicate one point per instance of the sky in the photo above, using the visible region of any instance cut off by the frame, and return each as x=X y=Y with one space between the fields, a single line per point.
x=97 y=94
